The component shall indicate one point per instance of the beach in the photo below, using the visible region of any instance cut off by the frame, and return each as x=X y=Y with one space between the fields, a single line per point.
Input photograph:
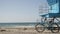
x=24 y=30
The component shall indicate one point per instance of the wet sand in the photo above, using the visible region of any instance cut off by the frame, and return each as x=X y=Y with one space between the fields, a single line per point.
x=23 y=31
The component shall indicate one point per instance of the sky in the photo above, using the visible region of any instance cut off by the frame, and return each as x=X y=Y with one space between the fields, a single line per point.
x=20 y=10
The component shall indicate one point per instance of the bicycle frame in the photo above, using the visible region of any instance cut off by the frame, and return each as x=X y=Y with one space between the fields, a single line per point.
x=47 y=24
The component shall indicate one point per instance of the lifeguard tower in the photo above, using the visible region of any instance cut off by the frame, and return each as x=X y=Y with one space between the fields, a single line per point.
x=54 y=9
x=54 y=5
x=53 y=13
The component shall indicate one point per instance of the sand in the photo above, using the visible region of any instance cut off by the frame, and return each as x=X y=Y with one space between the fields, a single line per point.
x=23 y=31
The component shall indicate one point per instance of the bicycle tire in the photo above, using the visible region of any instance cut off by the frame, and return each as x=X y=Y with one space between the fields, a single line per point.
x=55 y=29
x=39 y=29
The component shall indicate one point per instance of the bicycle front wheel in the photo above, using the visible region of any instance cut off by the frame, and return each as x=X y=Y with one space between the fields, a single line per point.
x=55 y=28
x=39 y=28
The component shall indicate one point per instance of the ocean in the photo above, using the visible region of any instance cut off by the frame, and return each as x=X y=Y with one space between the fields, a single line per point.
x=18 y=24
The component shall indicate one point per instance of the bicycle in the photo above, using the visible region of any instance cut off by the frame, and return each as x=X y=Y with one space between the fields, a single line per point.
x=50 y=25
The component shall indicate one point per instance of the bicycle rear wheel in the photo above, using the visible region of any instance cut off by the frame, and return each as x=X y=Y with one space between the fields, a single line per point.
x=55 y=28
x=39 y=28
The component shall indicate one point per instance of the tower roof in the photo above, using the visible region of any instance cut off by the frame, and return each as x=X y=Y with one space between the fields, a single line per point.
x=52 y=2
